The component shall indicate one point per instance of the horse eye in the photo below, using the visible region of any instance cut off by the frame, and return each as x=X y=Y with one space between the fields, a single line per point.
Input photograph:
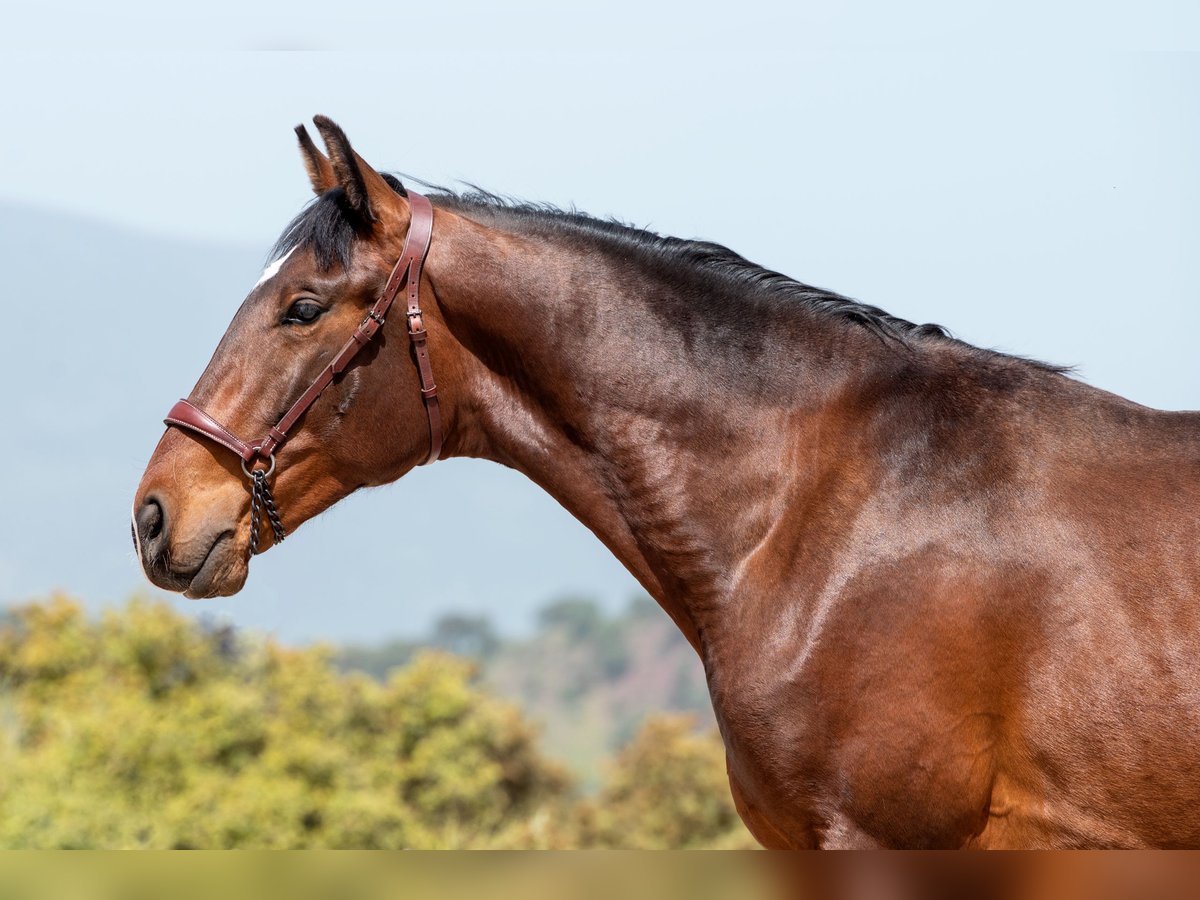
x=303 y=312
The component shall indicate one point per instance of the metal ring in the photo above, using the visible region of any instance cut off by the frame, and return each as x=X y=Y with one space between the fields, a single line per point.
x=266 y=474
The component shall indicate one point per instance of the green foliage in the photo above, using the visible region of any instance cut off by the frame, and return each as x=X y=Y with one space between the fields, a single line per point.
x=378 y=660
x=667 y=790
x=463 y=635
x=143 y=729
x=472 y=637
x=578 y=617
x=588 y=677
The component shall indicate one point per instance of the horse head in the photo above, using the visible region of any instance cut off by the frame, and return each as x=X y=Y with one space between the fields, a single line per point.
x=305 y=364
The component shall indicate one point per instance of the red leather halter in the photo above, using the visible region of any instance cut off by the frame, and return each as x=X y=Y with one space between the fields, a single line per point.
x=407 y=271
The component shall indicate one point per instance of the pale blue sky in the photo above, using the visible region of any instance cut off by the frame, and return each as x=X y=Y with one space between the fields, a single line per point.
x=1024 y=174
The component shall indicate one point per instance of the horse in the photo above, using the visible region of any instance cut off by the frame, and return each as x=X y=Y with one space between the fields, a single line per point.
x=944 y=597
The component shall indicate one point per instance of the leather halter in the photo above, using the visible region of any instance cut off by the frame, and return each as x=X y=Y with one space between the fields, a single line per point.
x=407 y=272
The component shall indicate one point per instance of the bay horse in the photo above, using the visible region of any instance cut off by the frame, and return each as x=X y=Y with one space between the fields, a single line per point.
x=944 y=597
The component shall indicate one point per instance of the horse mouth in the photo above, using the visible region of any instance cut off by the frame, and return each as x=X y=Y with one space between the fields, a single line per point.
x=221 y=573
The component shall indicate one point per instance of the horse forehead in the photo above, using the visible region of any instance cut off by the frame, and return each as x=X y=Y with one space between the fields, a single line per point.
x=272 y=269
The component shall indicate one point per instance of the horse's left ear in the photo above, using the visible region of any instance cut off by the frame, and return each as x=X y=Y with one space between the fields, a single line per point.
x=320 y=171
x=367 y=192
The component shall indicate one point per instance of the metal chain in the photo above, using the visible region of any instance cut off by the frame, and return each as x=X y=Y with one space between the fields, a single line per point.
x=254 y=513
x=268 y=500
x=261 y=500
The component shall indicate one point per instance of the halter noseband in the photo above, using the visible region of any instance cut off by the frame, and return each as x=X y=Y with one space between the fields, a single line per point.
x=407 y=271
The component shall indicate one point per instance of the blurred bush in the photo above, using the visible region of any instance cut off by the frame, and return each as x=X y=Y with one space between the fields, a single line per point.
x=666 y=790
x=588 y=676
x=144 y=729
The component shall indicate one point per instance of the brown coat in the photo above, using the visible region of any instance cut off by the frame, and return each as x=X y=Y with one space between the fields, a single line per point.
x=943 y=597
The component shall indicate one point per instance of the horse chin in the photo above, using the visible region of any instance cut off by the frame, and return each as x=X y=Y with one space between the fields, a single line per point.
x=223 y=572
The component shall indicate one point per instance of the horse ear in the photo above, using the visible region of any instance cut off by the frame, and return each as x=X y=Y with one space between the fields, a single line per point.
x=366 y=190
x=320 y=171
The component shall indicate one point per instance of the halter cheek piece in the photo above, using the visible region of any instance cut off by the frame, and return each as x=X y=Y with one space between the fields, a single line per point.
x=407 y=271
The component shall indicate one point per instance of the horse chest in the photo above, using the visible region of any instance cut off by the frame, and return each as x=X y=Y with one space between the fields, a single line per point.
x=820 y=768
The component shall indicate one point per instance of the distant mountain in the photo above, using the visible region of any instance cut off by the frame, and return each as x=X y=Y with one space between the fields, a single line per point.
x=103 y=329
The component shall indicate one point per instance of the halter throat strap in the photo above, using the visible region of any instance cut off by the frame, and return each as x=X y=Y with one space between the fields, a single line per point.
x=407 y=274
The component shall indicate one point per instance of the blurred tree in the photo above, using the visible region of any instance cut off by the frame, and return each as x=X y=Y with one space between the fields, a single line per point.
x=667 y=789
x=581 y=623
x=466 y=635
x=643 y=606
x=578 y=617
x=377 y=660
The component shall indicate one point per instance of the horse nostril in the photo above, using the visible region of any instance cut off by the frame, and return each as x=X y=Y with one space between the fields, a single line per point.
x=151 y=522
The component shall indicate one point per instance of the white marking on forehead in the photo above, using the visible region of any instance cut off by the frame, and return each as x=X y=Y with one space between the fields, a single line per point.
x=273 y=269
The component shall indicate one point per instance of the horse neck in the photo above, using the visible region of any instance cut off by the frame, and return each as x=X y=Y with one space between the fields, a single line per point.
x=672 y=441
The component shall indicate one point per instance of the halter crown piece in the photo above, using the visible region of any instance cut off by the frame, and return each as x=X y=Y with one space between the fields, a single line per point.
x=407 y=272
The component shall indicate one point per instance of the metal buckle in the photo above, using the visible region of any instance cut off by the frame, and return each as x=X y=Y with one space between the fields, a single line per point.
x=267 y=474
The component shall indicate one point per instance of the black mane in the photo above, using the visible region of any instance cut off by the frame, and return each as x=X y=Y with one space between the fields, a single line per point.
x=328 y=228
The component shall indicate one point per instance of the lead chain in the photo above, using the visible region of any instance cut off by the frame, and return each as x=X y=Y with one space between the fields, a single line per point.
x=261 y=500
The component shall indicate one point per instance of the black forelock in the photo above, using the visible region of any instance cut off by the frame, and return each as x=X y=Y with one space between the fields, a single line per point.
x=326 y=226
x=329 y=227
